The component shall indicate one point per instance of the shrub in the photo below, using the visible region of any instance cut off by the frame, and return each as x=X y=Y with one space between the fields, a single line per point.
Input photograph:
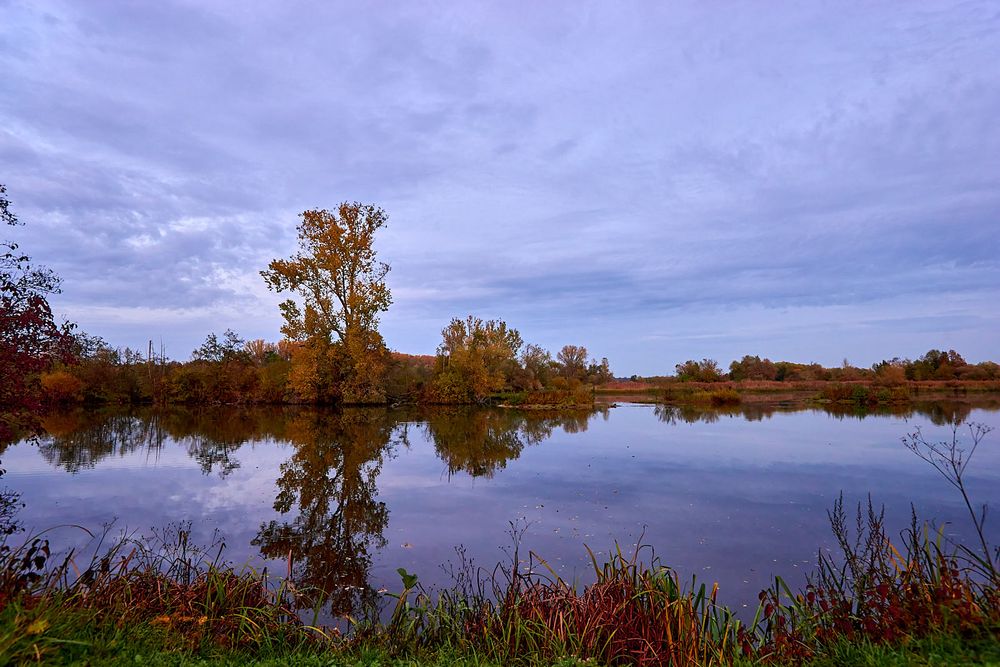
x=837 y=393
x=61 y=387
x=726 y=396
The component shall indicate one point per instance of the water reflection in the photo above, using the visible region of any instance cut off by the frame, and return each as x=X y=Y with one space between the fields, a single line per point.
x=81 y=439
x=333 y=522
x=940 y=413
x=325 y=469
x=78 y=440
x=473 y=440
x=480 y=442
x=690 y=414
x=328 y=487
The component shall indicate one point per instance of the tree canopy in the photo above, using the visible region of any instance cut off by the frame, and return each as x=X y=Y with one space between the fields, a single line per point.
x=342 y=286
x=475 y=358
x=336 y=274
x=29 y=337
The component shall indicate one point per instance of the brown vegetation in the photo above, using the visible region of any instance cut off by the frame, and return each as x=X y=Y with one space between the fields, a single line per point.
x=637 y=610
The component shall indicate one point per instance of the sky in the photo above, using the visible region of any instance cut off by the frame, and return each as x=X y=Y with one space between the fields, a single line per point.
x=656 y=181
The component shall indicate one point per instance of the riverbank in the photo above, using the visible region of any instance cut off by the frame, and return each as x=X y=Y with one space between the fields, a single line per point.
x=167 y=604
x=800 y=393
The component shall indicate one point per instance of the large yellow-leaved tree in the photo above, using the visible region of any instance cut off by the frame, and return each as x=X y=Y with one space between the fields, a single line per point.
x=340 y=354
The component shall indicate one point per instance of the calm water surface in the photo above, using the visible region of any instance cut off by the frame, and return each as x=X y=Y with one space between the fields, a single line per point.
x=356 y=493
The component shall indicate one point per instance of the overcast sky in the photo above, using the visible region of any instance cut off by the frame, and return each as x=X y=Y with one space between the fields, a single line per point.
x=656 y=181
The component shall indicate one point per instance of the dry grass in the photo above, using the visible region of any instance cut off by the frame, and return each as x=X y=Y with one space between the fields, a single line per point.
x=160 y=582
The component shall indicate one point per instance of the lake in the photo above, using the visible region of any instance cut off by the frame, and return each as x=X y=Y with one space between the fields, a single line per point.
x=350 y=495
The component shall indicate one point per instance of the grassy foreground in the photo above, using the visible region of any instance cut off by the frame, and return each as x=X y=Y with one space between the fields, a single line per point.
x=141 y=650
x=876 y=604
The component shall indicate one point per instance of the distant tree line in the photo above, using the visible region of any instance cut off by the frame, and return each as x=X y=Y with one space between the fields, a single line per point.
x=934 y=365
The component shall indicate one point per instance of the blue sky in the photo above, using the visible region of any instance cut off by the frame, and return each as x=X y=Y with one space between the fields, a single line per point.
x=656 y=181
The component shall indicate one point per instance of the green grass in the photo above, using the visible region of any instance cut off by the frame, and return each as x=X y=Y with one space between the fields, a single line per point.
x=69 y=637
x=943 y=650
x=139 y=647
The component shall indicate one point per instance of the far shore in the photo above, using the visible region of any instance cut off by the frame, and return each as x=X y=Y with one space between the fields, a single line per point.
x=797 y=393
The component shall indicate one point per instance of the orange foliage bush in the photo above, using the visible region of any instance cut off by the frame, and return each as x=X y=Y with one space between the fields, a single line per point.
x=61 y=387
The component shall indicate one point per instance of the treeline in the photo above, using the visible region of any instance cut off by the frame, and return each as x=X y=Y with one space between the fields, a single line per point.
x=934 y=365
x=331 y=353
x=478 y=361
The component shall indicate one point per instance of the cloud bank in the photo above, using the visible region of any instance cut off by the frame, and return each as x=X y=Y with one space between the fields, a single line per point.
x=654 y=182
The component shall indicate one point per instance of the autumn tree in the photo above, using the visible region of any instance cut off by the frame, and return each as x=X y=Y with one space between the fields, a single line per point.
x=706 y=370
x=752 y=368
x=260 y=350
x=573 y=361
x=599 y=372
x=890 y=373
x=230 y=348
x=476 y=358
x=341 y=285
x=536 y=368
x=30 y=340
x=936 y=365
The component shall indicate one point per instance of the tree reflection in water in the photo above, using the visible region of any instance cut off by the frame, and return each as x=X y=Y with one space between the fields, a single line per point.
x=327 y=488
x=938 y=412
x=80 y=439
x=330 y=481
x=332 y=522
x=480 y=441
